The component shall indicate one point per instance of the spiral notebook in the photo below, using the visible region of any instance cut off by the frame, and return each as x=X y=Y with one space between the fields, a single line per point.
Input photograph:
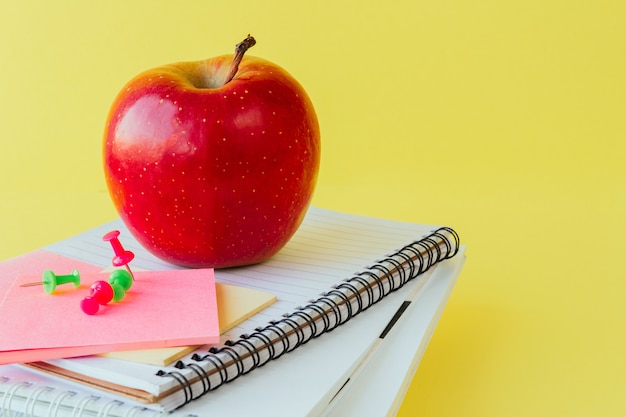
x=330 y=248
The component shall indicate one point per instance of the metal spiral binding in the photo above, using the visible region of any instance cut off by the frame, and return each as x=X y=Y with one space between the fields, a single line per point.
x=330 y=310
x=26 y=398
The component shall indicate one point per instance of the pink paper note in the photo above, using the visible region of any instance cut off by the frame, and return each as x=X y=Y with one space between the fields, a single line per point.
x=162 y=309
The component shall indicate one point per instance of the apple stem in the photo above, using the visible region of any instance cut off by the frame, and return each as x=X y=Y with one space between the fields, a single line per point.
x=240 y=50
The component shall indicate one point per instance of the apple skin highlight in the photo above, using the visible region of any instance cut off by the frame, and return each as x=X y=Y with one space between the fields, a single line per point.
x=211 y=175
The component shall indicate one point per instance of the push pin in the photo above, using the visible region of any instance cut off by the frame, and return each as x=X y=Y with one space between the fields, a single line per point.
x=122 y=256
x=100 y=293
x=89 y=305
x=120 y=281
x=50 y=281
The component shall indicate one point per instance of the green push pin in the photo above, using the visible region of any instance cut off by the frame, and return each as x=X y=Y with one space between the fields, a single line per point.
x=121 y=281
x=50 y=281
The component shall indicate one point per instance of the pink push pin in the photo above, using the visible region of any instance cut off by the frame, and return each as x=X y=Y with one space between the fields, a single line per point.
x=89 y=305
x=100 y=293
x=122 y=256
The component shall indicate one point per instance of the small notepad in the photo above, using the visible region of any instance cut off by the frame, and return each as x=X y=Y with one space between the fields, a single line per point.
x=162 y=309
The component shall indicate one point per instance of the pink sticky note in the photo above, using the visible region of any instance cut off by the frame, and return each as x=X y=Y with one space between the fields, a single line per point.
x=162 y=309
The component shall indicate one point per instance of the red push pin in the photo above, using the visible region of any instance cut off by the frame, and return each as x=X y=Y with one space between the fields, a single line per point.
x=122 y=256
x=100 y=293
x=89 y=305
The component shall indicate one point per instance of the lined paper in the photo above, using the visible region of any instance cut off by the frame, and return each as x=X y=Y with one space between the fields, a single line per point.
x=328 y=247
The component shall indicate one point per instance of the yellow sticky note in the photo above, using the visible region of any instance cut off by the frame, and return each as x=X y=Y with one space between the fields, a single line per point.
x=234 y=305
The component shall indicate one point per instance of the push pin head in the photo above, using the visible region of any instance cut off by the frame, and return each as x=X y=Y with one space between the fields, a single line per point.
x=89 y=305
x=50 y=281
x=120 y=281
x=122 y=256
x=101 y=291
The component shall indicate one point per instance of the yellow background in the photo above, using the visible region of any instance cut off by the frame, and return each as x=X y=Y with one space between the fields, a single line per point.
x=503 y=119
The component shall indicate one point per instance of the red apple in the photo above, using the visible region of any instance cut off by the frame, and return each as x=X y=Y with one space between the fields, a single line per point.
x=212 y=163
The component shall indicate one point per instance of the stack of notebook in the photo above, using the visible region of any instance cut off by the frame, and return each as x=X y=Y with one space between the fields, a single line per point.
x=356 y=301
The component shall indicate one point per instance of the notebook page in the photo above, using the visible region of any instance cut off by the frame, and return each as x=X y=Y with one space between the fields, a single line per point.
x=303 y=382
x=328 y=247
x=300 y=383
